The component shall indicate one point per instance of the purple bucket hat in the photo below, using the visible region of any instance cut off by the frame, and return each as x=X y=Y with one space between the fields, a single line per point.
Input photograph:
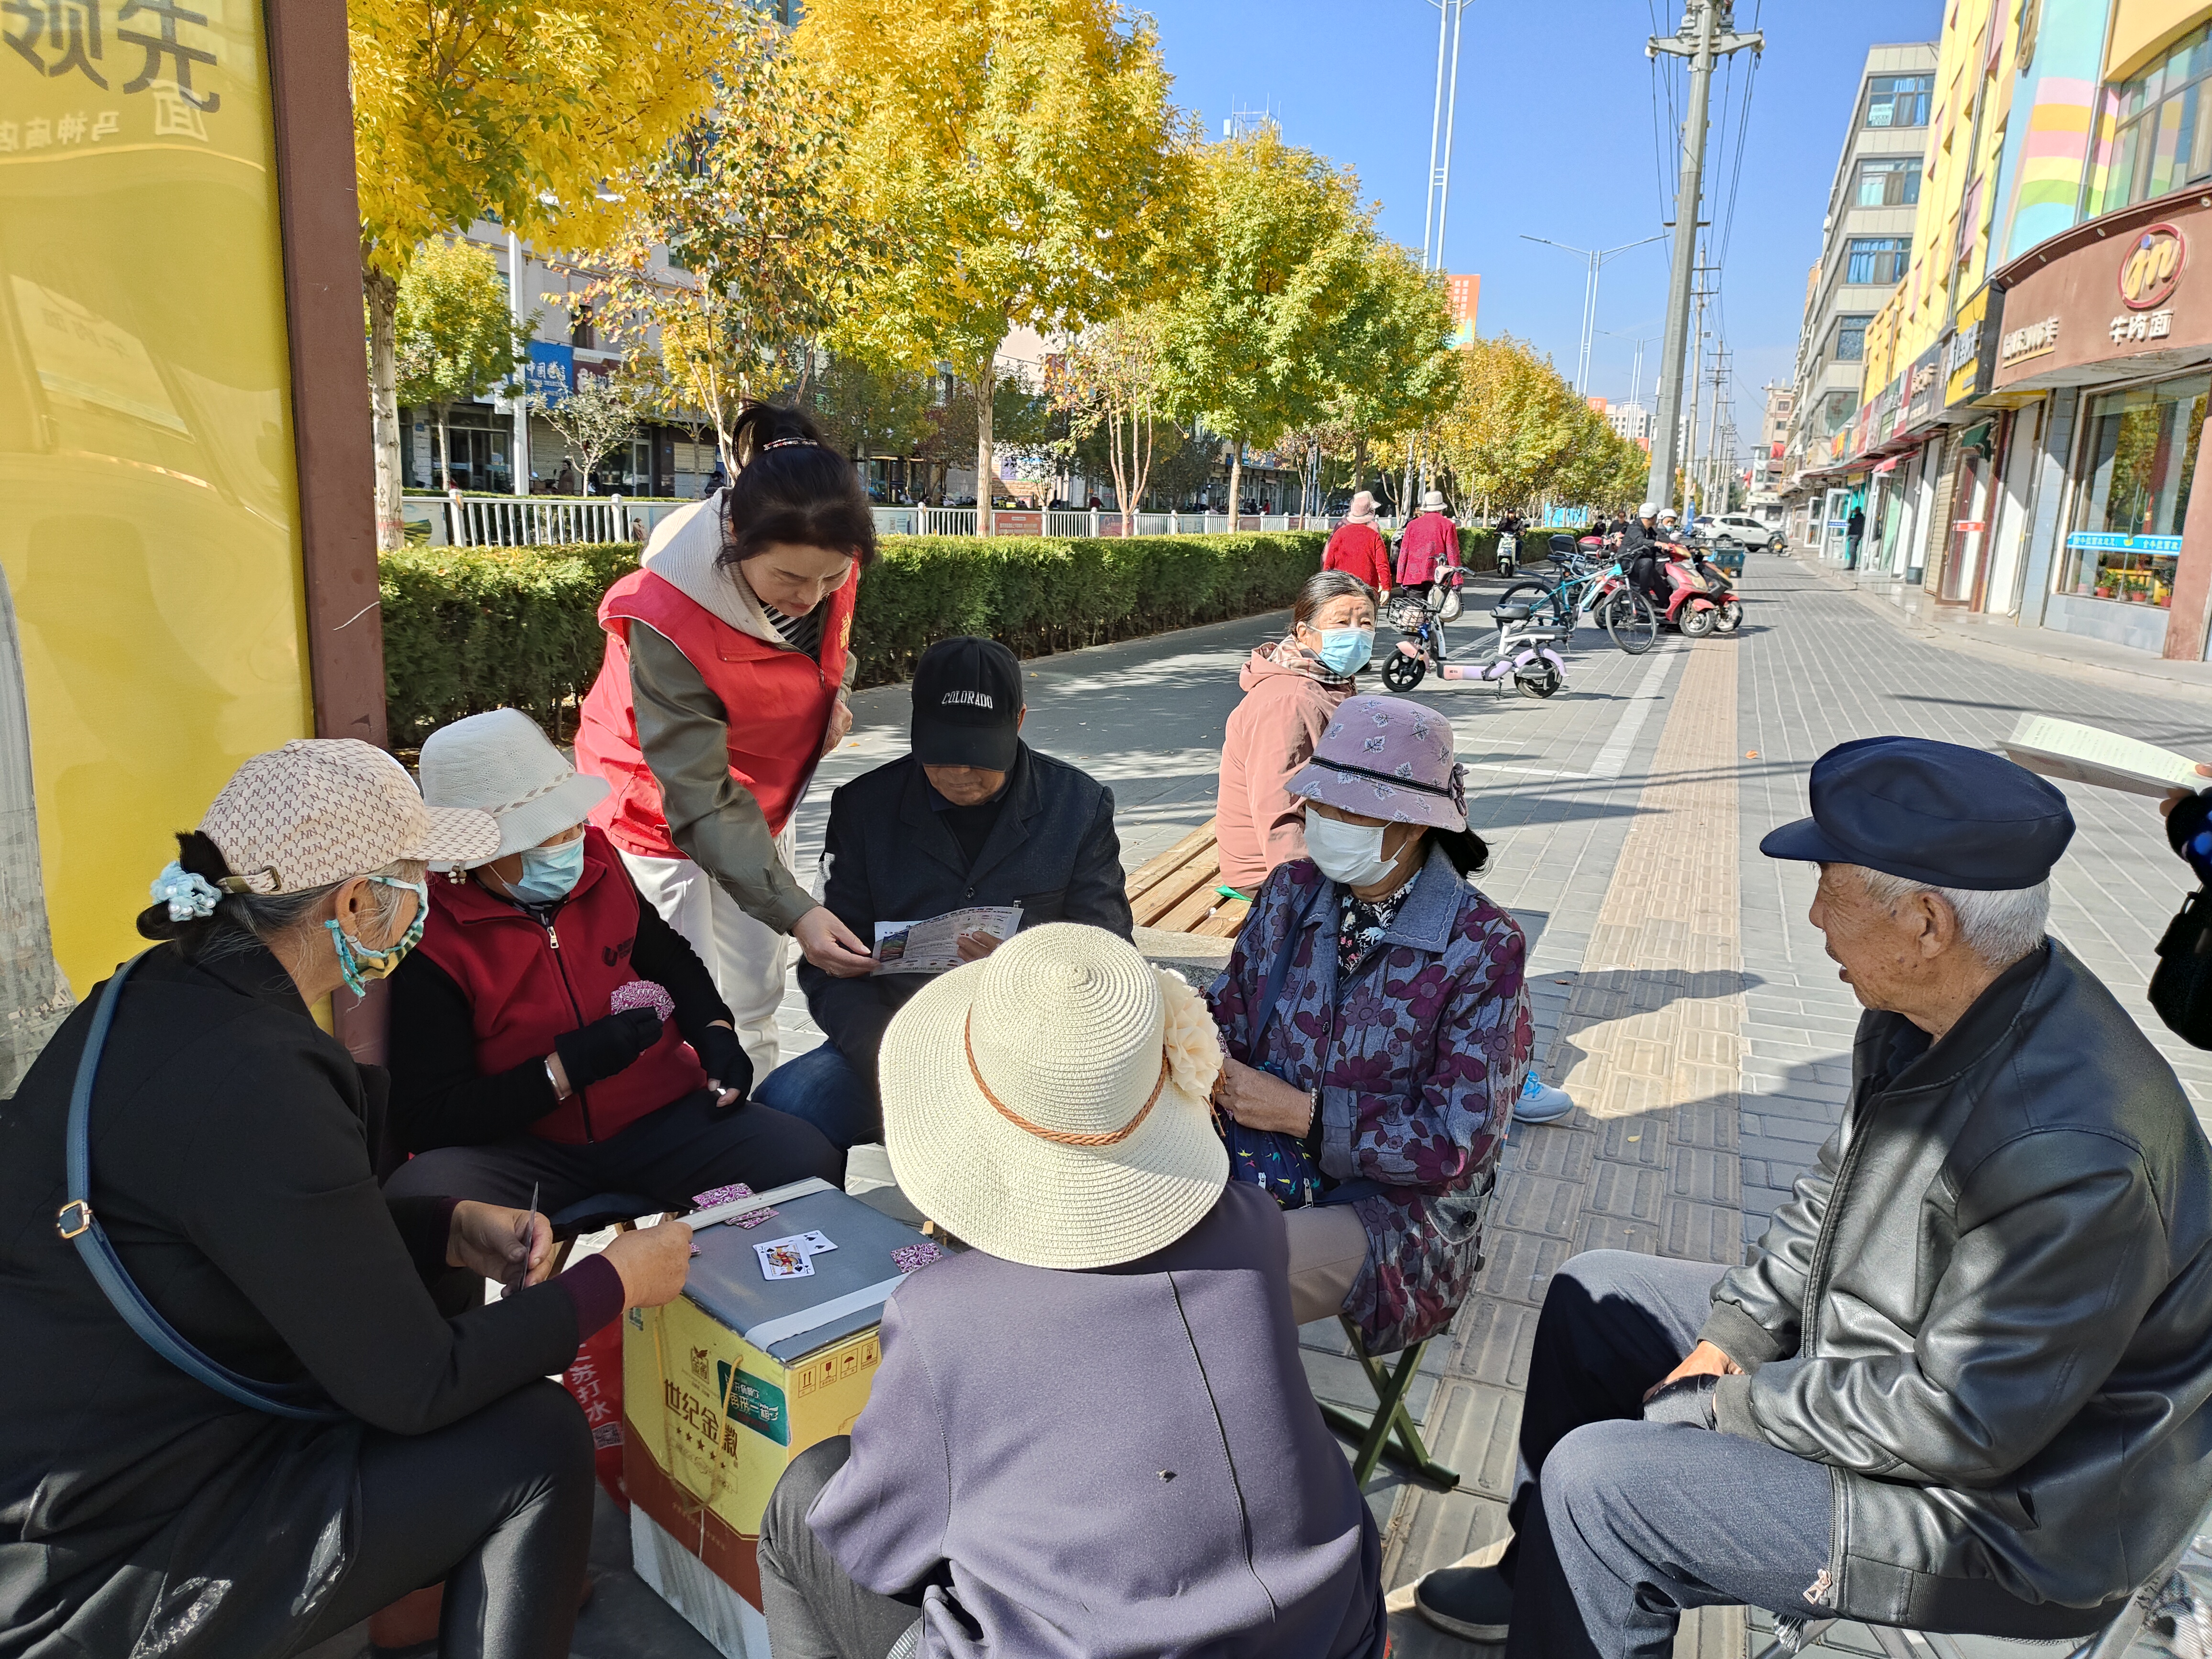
x=1384 y=757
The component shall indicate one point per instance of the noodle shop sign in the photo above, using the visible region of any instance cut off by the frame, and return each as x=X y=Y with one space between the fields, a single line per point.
x=2117 y=295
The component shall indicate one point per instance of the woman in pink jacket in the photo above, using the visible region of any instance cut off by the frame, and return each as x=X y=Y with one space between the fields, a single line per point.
x=1429 y=546
x=1357 y=547
x=1291 y=689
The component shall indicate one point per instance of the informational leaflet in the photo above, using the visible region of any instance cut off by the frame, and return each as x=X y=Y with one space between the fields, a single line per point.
x=2083 y=754
x=934 y=946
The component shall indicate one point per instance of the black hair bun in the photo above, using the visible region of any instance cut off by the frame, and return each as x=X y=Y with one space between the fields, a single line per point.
x=201 y=857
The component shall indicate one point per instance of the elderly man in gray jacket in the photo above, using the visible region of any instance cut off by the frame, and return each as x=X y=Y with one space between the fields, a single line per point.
x=1962 y=1384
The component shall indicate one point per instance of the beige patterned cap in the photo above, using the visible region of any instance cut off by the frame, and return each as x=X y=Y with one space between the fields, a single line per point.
x=322 y=809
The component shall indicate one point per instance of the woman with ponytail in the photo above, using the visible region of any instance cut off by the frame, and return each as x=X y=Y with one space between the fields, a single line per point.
x=727 y=657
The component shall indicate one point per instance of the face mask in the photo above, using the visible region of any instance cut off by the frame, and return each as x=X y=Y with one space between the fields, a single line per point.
x=549 y=873
x=1350 y=853
x=357 y=963
x=1345 y=650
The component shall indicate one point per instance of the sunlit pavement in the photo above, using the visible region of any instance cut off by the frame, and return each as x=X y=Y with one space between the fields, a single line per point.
x=1682 y=998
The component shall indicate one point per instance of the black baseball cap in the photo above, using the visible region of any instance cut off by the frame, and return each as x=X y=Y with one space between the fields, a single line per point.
x=1934 y=812
x=968 y=704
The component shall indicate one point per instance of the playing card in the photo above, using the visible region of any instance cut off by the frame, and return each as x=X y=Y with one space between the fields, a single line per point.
x=783 y=1258
x=815 y=1243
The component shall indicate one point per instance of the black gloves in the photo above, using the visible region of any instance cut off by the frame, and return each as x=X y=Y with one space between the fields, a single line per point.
x=1689 y=1400
x=596 y=1052
x=726 y=1063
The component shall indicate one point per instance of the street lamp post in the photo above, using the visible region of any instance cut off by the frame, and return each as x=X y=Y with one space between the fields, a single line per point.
x=1597 y=256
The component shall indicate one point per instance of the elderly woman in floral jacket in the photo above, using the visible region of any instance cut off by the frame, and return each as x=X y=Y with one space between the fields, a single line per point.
x=1374 y=1010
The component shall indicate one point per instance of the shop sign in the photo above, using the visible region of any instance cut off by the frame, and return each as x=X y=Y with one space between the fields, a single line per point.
x=2152 y=268
x=2105 y=542
x=550 y=373
x=1968 y=526
x=1968 y=359
x=2129 y=294
x=1888 y=413
x=2031 y=340
x=1923 y=390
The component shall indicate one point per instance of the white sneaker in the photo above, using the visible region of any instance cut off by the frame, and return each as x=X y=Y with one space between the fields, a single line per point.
x=1540 y=1103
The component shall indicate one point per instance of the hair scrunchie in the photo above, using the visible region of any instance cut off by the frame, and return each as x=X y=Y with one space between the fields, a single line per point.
x=190 y=897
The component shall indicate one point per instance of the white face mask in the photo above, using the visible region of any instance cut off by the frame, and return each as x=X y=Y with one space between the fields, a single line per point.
x=1351 y=854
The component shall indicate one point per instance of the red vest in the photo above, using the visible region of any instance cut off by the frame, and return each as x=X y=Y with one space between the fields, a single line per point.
x=776 y=702
x=527 y=984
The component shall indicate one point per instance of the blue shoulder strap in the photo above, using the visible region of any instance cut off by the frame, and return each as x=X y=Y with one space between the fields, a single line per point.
x=107 y=1267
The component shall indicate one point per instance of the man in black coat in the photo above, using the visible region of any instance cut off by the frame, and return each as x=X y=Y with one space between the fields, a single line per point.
x=972 y=817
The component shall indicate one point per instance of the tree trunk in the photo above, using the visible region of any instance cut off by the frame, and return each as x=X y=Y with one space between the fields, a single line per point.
x=1359 y=463
x=985 y=468
x=383 y=291
x=445 y=446
x=1235 y=480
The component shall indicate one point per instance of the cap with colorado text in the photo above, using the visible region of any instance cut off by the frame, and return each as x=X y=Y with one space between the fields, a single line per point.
x=968 y=705
x=1934 y=812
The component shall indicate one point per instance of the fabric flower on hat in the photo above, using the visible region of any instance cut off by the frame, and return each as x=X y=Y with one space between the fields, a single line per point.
x=1194 y=1045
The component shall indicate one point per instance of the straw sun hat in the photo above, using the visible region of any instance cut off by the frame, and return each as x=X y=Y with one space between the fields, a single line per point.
x=1048 y=1103
x=501 y=763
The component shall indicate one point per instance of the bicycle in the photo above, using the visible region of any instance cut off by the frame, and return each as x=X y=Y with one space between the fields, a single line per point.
x=1602 y=593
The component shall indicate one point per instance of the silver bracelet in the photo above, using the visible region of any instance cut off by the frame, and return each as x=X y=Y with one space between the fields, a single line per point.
x=559 y=1093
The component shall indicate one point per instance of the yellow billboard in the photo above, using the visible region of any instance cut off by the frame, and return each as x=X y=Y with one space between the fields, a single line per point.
x=151 y=541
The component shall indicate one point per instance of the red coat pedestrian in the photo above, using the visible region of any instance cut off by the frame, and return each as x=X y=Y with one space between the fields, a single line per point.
x=1429 y=545
x=1359 y=550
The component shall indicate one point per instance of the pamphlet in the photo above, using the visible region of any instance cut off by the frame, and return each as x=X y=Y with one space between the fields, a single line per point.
x=2083 y=754
x=934 y=946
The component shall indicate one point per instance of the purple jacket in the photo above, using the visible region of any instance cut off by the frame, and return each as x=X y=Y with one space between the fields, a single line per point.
x=1110 y=1464
x=1417 y=1069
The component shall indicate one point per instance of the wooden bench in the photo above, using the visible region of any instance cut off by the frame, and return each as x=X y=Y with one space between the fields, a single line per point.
x=1174 y=892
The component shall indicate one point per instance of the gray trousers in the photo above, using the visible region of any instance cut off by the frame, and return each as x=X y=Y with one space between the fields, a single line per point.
x=1621 y=1524
x=814 y=1610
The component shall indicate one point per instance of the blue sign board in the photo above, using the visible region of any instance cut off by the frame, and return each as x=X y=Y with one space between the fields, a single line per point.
x=2097 y=541
x=551 y=371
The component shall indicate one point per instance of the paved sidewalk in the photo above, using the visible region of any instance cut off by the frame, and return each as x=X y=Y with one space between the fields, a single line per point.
x=1679 y=992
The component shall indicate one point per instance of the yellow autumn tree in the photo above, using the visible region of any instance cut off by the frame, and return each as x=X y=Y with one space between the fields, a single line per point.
x=514 y=109
x=1028 y=149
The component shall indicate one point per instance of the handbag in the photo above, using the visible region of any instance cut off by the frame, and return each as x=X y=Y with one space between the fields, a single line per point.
x=2181 y=985
x=296 y=1401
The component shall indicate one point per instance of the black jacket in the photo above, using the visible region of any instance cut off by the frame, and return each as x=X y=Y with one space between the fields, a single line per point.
x=230 y=1166
x=890 y=858
x=1988 y=1309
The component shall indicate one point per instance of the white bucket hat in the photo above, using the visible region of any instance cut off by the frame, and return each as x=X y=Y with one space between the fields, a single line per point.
x=501 y=763
x=1432 y=500
x=1048 y=1103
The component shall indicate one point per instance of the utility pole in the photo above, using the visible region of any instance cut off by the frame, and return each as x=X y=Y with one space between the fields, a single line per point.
x=1713 y=425
x=1451 y=15
x=1597 y=257
x=519 y=472
x=1708 y=32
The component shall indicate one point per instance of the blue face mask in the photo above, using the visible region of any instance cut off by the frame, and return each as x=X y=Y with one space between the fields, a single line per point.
x=549 y=873
x=1346 y=650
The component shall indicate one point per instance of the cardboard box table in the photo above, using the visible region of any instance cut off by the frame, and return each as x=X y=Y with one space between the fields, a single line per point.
x=723 y=1388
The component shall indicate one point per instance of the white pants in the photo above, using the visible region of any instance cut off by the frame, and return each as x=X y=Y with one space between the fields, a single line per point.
x=745 y=957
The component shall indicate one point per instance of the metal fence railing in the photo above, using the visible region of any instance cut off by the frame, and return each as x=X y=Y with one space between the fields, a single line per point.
x=460 y=520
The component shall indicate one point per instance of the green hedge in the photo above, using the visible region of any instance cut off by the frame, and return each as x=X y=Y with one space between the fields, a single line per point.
x=471 y=628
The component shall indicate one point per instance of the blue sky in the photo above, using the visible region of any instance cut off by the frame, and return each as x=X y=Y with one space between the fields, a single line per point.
x=1555 y=137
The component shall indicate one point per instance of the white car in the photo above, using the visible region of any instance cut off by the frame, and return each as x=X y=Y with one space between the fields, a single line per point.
x=1744 y=528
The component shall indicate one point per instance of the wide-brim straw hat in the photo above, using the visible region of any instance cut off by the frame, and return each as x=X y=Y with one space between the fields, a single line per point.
x=1047 y=1104
x=501 y=763
x=1387 y=758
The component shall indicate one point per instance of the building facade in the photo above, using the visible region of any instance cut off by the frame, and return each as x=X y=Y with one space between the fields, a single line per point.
x=2028 y=437
x=1865 y=245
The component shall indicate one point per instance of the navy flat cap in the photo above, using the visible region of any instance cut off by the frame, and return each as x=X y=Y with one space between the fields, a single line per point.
x=1937 y=812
